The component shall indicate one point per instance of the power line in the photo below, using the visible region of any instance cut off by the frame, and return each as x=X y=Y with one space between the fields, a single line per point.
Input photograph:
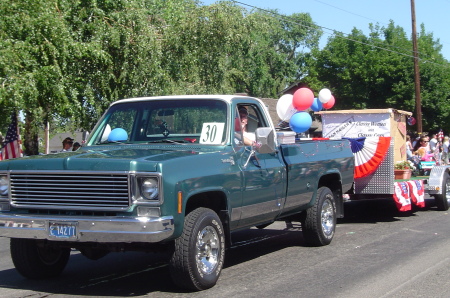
x=336 y=32
x=324 y=3
x=349 y=12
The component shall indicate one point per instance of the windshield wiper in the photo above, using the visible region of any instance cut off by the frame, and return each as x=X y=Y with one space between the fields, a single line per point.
x=180 y=142
x=113 y=142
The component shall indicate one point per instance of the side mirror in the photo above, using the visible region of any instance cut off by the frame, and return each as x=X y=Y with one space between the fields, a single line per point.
x=265 y=137
x=85 y=136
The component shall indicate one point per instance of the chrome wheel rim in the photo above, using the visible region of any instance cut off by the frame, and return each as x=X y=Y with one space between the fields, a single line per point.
x=447 y=190
x=207 y=250
x=327 y=217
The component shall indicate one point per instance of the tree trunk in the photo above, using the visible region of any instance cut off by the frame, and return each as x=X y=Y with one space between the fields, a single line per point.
x=30 y=135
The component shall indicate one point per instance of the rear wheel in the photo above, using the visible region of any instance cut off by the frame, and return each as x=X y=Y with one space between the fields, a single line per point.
x=199 y=252
x=319 y=224
x=38 y=262
x=442 y=200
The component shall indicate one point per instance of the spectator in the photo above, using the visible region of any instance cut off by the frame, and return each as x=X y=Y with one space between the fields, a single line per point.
x=409 y=147
x=416 y=140
x=249 y=137
x=445 y=145
x=433 y=142
x=422 y=143
x=423 y=155
x=67 y=144
x=76 y=146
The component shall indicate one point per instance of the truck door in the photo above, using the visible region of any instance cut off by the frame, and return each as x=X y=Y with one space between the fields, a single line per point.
x=263 y=175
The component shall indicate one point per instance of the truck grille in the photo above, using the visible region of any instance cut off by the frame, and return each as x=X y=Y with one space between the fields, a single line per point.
x=70 y=190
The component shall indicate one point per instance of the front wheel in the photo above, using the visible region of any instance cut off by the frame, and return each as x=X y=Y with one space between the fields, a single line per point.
x=442 y=200
x=319 y=224
x=199 y=252
x=37 y=262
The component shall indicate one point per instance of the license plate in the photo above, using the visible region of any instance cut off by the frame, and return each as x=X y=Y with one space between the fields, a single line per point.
x=63 y=229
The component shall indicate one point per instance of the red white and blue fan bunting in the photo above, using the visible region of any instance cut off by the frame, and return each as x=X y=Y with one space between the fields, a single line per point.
x=369 y=153
x=417 y=192
x=402 y=196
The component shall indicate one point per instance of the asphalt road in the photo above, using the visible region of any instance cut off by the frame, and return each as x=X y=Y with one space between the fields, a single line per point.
x=377 y=252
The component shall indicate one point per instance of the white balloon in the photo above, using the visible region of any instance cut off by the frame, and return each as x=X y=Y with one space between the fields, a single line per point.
x=285 y=109
x=106 y=133
x=324 y=95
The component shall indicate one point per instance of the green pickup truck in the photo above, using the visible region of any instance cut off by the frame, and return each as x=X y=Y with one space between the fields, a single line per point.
x=171 y=173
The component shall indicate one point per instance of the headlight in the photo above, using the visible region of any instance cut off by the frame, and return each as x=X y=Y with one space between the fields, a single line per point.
x=4 y=186
x=149 y=188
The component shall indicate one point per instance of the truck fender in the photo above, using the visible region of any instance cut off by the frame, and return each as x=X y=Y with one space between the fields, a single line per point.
x=332 y=180
x=215 y=199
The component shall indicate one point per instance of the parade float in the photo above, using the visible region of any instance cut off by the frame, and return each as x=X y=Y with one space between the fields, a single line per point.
x=378 y=141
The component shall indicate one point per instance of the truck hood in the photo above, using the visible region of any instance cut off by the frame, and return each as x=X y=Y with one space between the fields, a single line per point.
x=110 y=158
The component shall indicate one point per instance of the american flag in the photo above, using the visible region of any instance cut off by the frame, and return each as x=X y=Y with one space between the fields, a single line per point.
x=12 y=147
x=440 y=135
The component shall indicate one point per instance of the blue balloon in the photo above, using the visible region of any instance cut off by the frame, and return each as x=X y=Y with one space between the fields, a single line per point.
x=300 y=122
x=117 y=134
x=316 y=105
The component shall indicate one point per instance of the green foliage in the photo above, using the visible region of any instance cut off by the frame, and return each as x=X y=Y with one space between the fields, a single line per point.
x=65 y=61
x=376 y=71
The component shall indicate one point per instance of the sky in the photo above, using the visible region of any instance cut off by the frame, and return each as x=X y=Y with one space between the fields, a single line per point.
x=344 y=15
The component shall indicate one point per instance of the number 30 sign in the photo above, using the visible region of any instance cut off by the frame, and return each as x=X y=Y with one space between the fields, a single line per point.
x=212 y=133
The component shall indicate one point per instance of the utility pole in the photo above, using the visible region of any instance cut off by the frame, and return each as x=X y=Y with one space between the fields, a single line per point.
x=416 y=69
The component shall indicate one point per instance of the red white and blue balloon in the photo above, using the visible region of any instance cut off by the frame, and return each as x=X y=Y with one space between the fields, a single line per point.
x=330 y=103
x=303 y=99
x=285 y=109
x=300 y=122
x=316 y=105
x=324 y=95
x=411 y=120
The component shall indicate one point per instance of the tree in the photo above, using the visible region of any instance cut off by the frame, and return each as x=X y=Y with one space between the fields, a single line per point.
x=376 y=71
x=66 y=61
x=35 y=49
x=435 y=83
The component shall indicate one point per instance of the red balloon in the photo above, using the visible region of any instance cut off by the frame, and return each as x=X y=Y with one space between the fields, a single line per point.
x=330 y=103
x=303 y=99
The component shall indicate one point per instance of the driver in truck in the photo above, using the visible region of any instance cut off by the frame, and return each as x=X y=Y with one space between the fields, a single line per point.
x=249 y=137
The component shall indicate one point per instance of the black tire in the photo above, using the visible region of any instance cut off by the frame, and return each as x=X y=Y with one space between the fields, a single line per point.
x=319 y=223
x=442 y=200
x=36 y=262
x=93 y=253
x=263 y=226
x=199 y=252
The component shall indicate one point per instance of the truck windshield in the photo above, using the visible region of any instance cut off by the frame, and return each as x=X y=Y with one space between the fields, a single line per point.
x=168 y=121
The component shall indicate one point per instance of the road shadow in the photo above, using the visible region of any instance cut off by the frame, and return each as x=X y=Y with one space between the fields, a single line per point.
x=139 y=274
x=379 y=210
x=117 y=274
x=254 y=243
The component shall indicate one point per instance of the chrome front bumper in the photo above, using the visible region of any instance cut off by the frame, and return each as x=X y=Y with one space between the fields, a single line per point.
x=92 y=229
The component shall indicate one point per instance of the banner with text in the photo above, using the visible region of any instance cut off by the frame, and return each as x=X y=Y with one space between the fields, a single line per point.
x=336 y=126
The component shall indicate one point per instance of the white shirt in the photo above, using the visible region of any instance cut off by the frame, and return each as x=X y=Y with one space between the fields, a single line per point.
x=250 y=135
x=433 y=143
